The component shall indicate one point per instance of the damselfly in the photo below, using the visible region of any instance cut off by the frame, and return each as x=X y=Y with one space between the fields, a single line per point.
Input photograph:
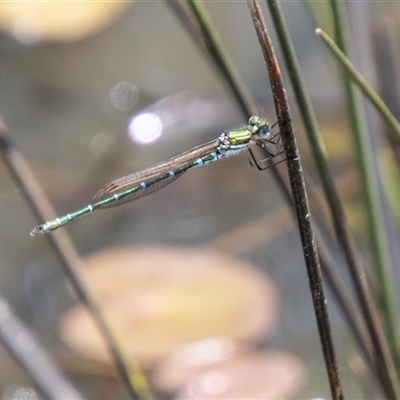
x=140 y=184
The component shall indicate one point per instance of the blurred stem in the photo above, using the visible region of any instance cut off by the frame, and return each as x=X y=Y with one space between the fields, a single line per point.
x=337 y=211
x=221 y=58
x=197 y=32
x=373 y=204
x=70 y=261
x=33 y=357
x=387 y=60
x=299 y=197
x=371 y=194
x=365 y=87
x=387 y=56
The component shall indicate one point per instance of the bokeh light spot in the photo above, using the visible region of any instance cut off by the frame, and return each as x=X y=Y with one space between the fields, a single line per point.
x=145 y=128
x=124 y=96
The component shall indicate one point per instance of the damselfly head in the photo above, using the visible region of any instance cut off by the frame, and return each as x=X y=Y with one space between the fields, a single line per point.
x=259 y=126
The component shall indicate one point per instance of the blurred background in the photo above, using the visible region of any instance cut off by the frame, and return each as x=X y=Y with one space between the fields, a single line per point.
x=94 y=91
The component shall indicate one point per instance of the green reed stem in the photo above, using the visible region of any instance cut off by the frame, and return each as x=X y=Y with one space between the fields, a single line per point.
x=371 y=195
x=365 y=87
x=343 y=235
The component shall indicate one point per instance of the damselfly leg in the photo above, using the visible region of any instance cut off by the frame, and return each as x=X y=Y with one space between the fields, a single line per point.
x=266 y=152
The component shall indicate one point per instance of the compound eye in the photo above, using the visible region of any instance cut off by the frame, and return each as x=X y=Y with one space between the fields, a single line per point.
x=264 y=131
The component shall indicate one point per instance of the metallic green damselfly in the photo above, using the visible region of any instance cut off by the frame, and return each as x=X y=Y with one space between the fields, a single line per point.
x=149 y=180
